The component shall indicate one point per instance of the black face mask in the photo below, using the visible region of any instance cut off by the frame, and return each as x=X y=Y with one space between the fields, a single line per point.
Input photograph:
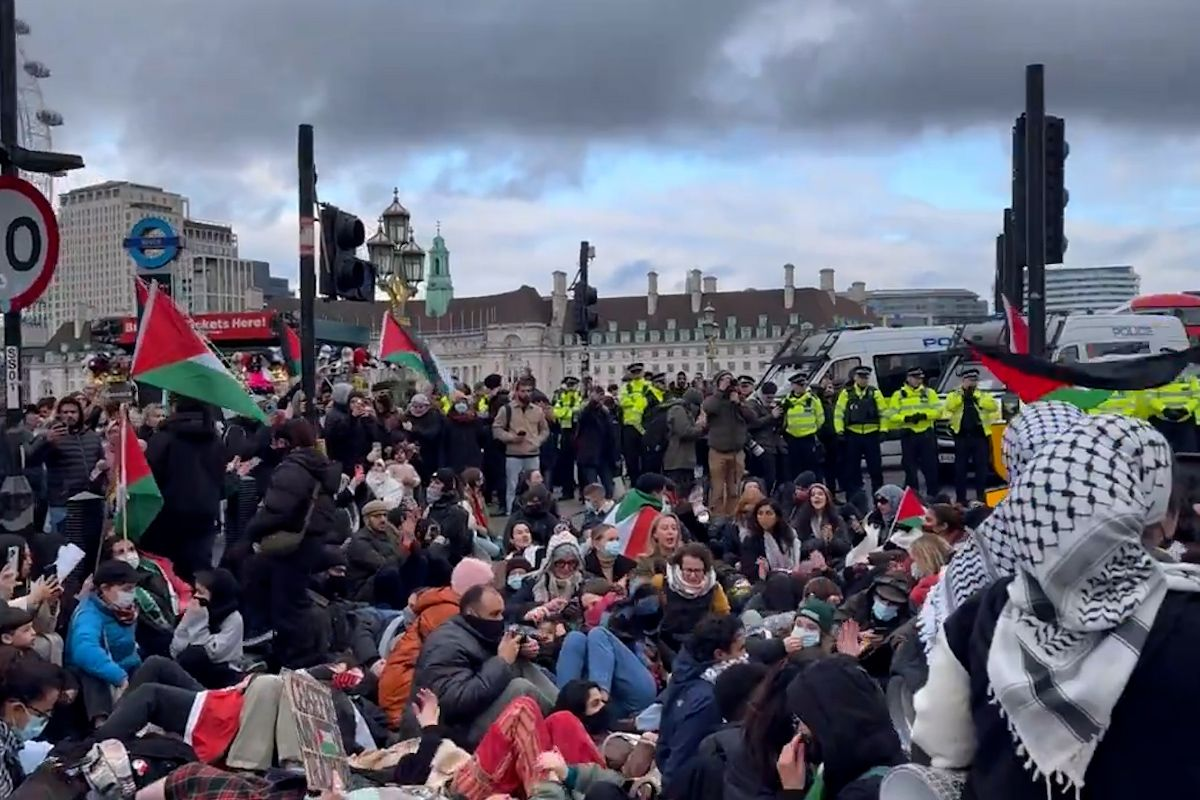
x=331 y=586
x=600 y=722
x=533 y=508
x=491 y=630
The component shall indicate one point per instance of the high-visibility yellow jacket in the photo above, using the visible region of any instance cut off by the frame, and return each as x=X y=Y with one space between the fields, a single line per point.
x=444 y=404
x=859 y=410
x=633 y=402
x=566 y=406
x=921 y=403
x=1129 y=404
x=985 y=404
x=1182 y=397
x=803 y=415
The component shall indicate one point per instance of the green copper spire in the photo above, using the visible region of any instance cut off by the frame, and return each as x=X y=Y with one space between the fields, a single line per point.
x=439 y=291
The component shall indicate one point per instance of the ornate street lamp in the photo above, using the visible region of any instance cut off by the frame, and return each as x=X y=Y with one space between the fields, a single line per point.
x=398 y=260
x=709 y=324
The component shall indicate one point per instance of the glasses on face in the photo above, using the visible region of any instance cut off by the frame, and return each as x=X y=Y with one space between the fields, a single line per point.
x=693 y=571
x=37 y=712
x=879 y=501
x=566 y=564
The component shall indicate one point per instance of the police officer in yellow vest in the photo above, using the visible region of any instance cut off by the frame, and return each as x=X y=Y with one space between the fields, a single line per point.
x=633 y=400
x=858 y=418
x=803 y=417
x=971 y=413
x=1173 y=409
x=914 y=409
x=567 y=403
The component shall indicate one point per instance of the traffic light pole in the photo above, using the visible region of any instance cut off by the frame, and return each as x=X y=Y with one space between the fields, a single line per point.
x=1035 y=204
x=8 y=137
x=585 y=356
x=308 y=269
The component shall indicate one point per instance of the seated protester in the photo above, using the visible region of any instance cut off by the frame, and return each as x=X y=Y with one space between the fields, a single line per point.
x=520 y=544
x=474 y=502
x=883 y=514
x=605 y=559
x=927 y=555
x=554 y=590
x=771 y=545
x=373 y=547
x=721 y=770
x=853 y=519
x=535 y=511
x=779 y=595
x=602 y=659
x=814 y=626
x=872 y=617
x=330 y=623
x=529 y=479
x=28 y=695
x=823 y=530
x=690 y=591
x=845 y=742
x=445 y=508
x=596 y=506
x=101 y=646
x=823 y=589
x=589 y=704
x=733 y=531
x=689 y=707
x=516 y=571
x=158 y=600
x=947 y=522
x=431 y=607
x=208 y=640
x=476 y=668
x=40 y=597
x=665 y=540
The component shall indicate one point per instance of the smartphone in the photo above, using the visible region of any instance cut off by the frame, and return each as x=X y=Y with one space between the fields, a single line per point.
x=14 y=558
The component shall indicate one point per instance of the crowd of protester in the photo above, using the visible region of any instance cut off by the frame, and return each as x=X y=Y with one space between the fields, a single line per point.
x=740 y=638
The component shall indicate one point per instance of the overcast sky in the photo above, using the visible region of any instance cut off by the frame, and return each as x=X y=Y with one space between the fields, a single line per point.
x=871 y=136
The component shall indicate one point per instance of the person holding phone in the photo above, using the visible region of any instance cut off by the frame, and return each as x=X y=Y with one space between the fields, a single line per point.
x=39 y=595
x=522 y=427
x=70 y=451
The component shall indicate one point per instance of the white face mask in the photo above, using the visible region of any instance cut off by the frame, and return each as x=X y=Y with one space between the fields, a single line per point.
x=131 y=558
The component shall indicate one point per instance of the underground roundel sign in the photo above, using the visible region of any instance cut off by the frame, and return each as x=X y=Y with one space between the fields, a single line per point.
x=29 y=250
x=152 y=243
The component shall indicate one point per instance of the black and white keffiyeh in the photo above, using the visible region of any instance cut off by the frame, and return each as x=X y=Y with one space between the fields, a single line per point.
x=1086 y=590
x=987 y=554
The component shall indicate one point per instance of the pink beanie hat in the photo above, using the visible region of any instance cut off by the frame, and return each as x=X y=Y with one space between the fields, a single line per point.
x=470 y=572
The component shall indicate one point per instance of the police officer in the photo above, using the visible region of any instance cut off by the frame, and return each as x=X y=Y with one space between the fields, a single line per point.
x=971 y=414
x=1172 y=409
x=803 y=418
x=633 y=400
x=567 y=403
x=914 y=409
x=858 y=418
x=657 y=388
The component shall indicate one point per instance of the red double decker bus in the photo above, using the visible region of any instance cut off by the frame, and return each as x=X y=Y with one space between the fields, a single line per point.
x=1184 y=306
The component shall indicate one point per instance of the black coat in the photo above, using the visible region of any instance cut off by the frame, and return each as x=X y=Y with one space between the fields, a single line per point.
x=621 y=567
x=290 y=493
x=453 y=519
x=541 y=525
x=1159 y=695
x=464 y=672
x=739 y=777
x=429 y=434
x=595 y=437
x=69 y=462
x=188 y=462
x=464 y=442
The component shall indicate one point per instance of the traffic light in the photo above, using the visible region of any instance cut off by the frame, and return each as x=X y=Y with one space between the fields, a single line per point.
x=1056 y=190
x=342 y=273
x=587 y=317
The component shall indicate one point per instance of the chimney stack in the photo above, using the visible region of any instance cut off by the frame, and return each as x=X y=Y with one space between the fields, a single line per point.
x=651 y=293
x=789 y=286
x=693 y=288
x=827 y=284
x=858 y=291
x=710 y=284
x=558 y=299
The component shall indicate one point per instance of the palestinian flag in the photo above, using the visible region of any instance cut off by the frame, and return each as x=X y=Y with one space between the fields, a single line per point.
x=138 y=498
x=911 y=511
x=172 y=356
x=1083 y=385
x=1018 y=328
x=292 y=351
x=632 y=518
x=398 y=346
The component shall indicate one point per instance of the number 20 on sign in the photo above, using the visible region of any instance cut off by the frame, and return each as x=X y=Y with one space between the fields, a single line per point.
x=29 y=245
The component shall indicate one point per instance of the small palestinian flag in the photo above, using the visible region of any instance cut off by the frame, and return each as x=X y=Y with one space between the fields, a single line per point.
x=292 y=351
x=138 y=498
x=1033 y=379
x=911 y=511
x=398 y=346
x=172 y=356
x=1018 y=328
x=632 y=518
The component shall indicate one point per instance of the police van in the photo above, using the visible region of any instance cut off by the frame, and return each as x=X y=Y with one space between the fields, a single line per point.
x=889 y=352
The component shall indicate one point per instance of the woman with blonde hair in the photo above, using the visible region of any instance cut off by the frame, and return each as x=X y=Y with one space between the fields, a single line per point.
x=926 y=558
x=665 y=540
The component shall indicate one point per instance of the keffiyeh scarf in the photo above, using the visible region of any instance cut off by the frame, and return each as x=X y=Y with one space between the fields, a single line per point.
x=779 y=559
x=987 y=554
x=1086 y=590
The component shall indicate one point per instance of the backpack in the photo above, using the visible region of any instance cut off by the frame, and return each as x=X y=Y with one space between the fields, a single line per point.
x=658 y=433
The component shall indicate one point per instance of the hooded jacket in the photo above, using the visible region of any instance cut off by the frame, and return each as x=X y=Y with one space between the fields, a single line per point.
x=464 y=442
x=188 y=462
x=689 y=715
x=728 y=422
x=69 y=462
x=851 y=728
x=432 y=608
x=682 y=432
x=290 y=493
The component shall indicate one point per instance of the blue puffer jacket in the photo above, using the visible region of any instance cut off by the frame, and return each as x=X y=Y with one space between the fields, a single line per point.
x=99 y=645
x=689 y=714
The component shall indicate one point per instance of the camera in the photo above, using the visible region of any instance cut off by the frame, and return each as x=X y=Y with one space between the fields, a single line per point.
x=754 y=447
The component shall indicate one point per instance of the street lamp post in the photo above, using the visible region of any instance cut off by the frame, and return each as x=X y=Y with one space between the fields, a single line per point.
x=398 y=260
x=709 y=323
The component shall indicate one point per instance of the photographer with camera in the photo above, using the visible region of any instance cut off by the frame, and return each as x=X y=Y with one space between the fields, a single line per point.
x=728 y=434
x=73 y=455
x=767 y=429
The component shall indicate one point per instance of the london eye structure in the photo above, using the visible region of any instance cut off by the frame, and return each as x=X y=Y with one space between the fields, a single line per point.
x=35 y=122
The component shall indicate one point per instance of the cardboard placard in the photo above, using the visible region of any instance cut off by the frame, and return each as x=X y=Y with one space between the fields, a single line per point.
x=325 y=765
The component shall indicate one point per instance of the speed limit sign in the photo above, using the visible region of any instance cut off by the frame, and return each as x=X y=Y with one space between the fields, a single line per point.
x=28 y=243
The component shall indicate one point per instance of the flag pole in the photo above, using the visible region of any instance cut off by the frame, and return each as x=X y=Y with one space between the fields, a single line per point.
x=122 y=497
